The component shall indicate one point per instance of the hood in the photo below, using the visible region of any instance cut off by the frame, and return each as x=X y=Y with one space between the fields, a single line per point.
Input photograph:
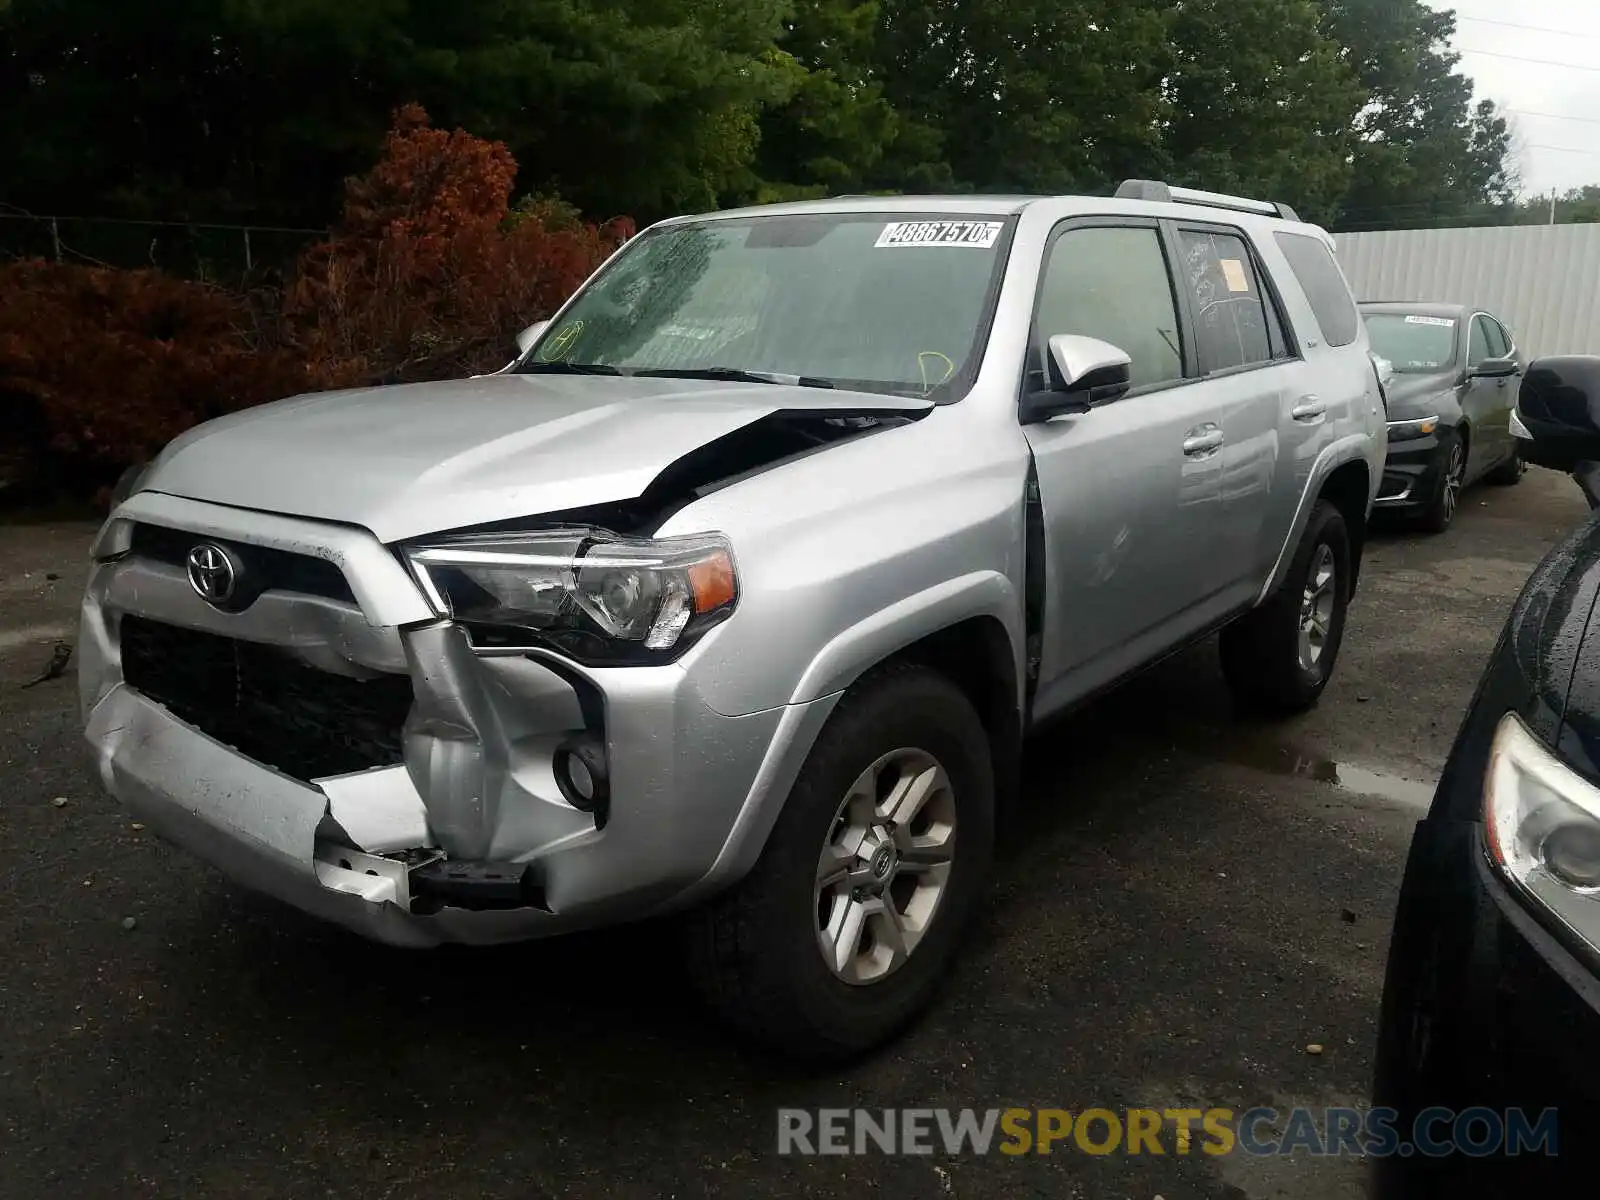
x=1418 y=395
x=416 y=459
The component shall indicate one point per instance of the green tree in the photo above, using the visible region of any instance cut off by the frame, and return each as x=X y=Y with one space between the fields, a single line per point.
x=1037 y=95
x=1423 y=152
x=258 y=108
x=1261 y=103
x=833 y=131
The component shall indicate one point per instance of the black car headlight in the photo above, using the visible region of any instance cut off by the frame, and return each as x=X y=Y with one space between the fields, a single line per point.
x=1542 y=826
x=1405 y=431
x=599 y=598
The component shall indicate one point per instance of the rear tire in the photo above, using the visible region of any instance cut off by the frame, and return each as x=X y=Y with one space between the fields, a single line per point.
x=1280 y=657
x=758 y=952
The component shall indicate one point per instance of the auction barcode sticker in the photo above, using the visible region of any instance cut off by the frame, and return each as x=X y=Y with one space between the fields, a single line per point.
x=1441 y=322
x=978 y=235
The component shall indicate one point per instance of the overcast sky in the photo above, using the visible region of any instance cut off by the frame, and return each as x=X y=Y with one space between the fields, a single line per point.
x=1552 y=152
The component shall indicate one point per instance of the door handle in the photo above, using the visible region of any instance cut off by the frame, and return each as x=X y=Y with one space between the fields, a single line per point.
x=1310 y=408
x=1202 y=440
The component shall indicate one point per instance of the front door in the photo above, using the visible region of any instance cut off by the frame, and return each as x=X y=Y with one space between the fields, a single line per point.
x=1131 y=491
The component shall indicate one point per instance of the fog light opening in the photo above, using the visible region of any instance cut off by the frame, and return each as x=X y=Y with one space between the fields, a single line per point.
x=581 y=775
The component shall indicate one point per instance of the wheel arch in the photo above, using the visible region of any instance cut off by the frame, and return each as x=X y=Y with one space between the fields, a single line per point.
x=1347 y=467
x=977 y=655
x=958 y=629
x=1347 y=488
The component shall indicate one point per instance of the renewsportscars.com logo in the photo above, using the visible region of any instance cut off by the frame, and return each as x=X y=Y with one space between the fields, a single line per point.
x=1317 y=1133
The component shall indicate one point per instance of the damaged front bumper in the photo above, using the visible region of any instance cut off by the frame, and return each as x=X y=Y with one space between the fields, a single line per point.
x=351 y=754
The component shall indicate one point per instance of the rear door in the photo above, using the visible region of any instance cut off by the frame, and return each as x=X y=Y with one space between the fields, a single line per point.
x=1130 y=491
x=1252 y=378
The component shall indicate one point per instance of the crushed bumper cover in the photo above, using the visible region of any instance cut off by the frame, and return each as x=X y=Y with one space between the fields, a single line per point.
x=469 y=838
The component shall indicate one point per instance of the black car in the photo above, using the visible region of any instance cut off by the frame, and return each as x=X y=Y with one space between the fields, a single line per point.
x=1491 y=1010
x=1456 y=374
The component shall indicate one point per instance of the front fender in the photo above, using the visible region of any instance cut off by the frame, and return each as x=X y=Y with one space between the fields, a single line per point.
x=857 y=649
x=837 y=665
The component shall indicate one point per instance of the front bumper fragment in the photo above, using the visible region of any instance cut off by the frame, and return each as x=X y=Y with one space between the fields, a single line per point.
x=1411 y=474
x=469 y=839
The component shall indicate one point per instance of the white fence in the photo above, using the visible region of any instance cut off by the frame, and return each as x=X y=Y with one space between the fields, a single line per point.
x=1542 y=280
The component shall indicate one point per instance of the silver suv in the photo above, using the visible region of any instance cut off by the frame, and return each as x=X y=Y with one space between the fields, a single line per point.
x=735 y=595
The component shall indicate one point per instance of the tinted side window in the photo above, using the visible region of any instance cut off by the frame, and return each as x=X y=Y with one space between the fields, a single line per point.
x=1112 y=284
x=1325 y=288
x=1505 y=332
x=1230 y=314
x=1478 y=349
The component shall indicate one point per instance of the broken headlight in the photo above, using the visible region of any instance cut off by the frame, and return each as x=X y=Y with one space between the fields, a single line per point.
x=598 y=598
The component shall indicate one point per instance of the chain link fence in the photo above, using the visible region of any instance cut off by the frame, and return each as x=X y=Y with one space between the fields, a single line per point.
x=225 y=254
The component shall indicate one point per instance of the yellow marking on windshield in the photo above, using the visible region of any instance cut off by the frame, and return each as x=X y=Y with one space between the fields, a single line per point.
x=922 y=367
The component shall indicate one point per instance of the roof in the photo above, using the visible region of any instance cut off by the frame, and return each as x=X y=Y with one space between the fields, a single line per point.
x=976 y=204
x=995 y=205
x=1420 y=308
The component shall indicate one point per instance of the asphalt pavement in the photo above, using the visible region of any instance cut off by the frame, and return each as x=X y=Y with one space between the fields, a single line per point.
x=1188 y=903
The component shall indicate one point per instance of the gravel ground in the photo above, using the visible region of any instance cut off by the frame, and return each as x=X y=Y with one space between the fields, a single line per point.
x=1189 y=903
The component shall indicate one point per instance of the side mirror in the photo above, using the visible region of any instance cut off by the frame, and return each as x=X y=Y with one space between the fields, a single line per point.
x=529 y=336
x=1084 y=372
x=1559 y=408
x=1493 y=368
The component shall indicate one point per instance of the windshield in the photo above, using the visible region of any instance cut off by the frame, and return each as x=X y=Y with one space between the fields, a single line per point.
x=887 y=302
x=1415 y=344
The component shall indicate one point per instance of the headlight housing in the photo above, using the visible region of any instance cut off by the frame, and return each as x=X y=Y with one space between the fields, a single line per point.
x=600 y=599
x=1542 y=826
x=1400 y=431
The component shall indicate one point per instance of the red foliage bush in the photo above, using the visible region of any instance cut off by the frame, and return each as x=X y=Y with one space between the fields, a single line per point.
x=430 y=274
x=99 y=367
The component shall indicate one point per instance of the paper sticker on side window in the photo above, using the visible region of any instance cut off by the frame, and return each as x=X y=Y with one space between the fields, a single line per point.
x=1441 y=322
x=976 y=235
x=1233 y=274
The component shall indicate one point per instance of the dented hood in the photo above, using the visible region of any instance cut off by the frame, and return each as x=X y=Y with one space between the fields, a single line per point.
x=416 y=459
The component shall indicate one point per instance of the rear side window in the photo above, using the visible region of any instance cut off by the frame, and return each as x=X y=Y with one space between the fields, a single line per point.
x=1231 y=324
x=1325 y=288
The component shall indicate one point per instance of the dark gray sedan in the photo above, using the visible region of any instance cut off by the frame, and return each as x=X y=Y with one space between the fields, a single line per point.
x=1456 y=374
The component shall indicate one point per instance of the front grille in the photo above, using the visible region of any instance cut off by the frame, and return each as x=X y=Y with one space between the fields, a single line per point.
x=265 y=703
x=268 y=569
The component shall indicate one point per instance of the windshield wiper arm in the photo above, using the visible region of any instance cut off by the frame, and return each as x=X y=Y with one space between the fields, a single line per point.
x=567 y=368
x=735 y=375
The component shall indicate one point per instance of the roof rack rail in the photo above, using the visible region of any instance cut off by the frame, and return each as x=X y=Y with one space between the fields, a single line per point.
x=1162 y=193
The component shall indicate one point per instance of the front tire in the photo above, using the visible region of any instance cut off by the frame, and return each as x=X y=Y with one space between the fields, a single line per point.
x=1441 y=512
x=1280 y=657
x=844 y=928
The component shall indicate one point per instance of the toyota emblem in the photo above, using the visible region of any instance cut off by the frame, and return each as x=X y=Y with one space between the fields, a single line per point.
x=213 y=574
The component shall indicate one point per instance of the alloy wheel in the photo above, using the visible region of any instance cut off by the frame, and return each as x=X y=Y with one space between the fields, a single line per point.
x=1316 y=608
x=885 y=866
x=1454 y=470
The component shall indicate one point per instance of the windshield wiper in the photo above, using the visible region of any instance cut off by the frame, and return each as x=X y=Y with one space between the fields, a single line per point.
x=734 y=375
x=567 y=368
